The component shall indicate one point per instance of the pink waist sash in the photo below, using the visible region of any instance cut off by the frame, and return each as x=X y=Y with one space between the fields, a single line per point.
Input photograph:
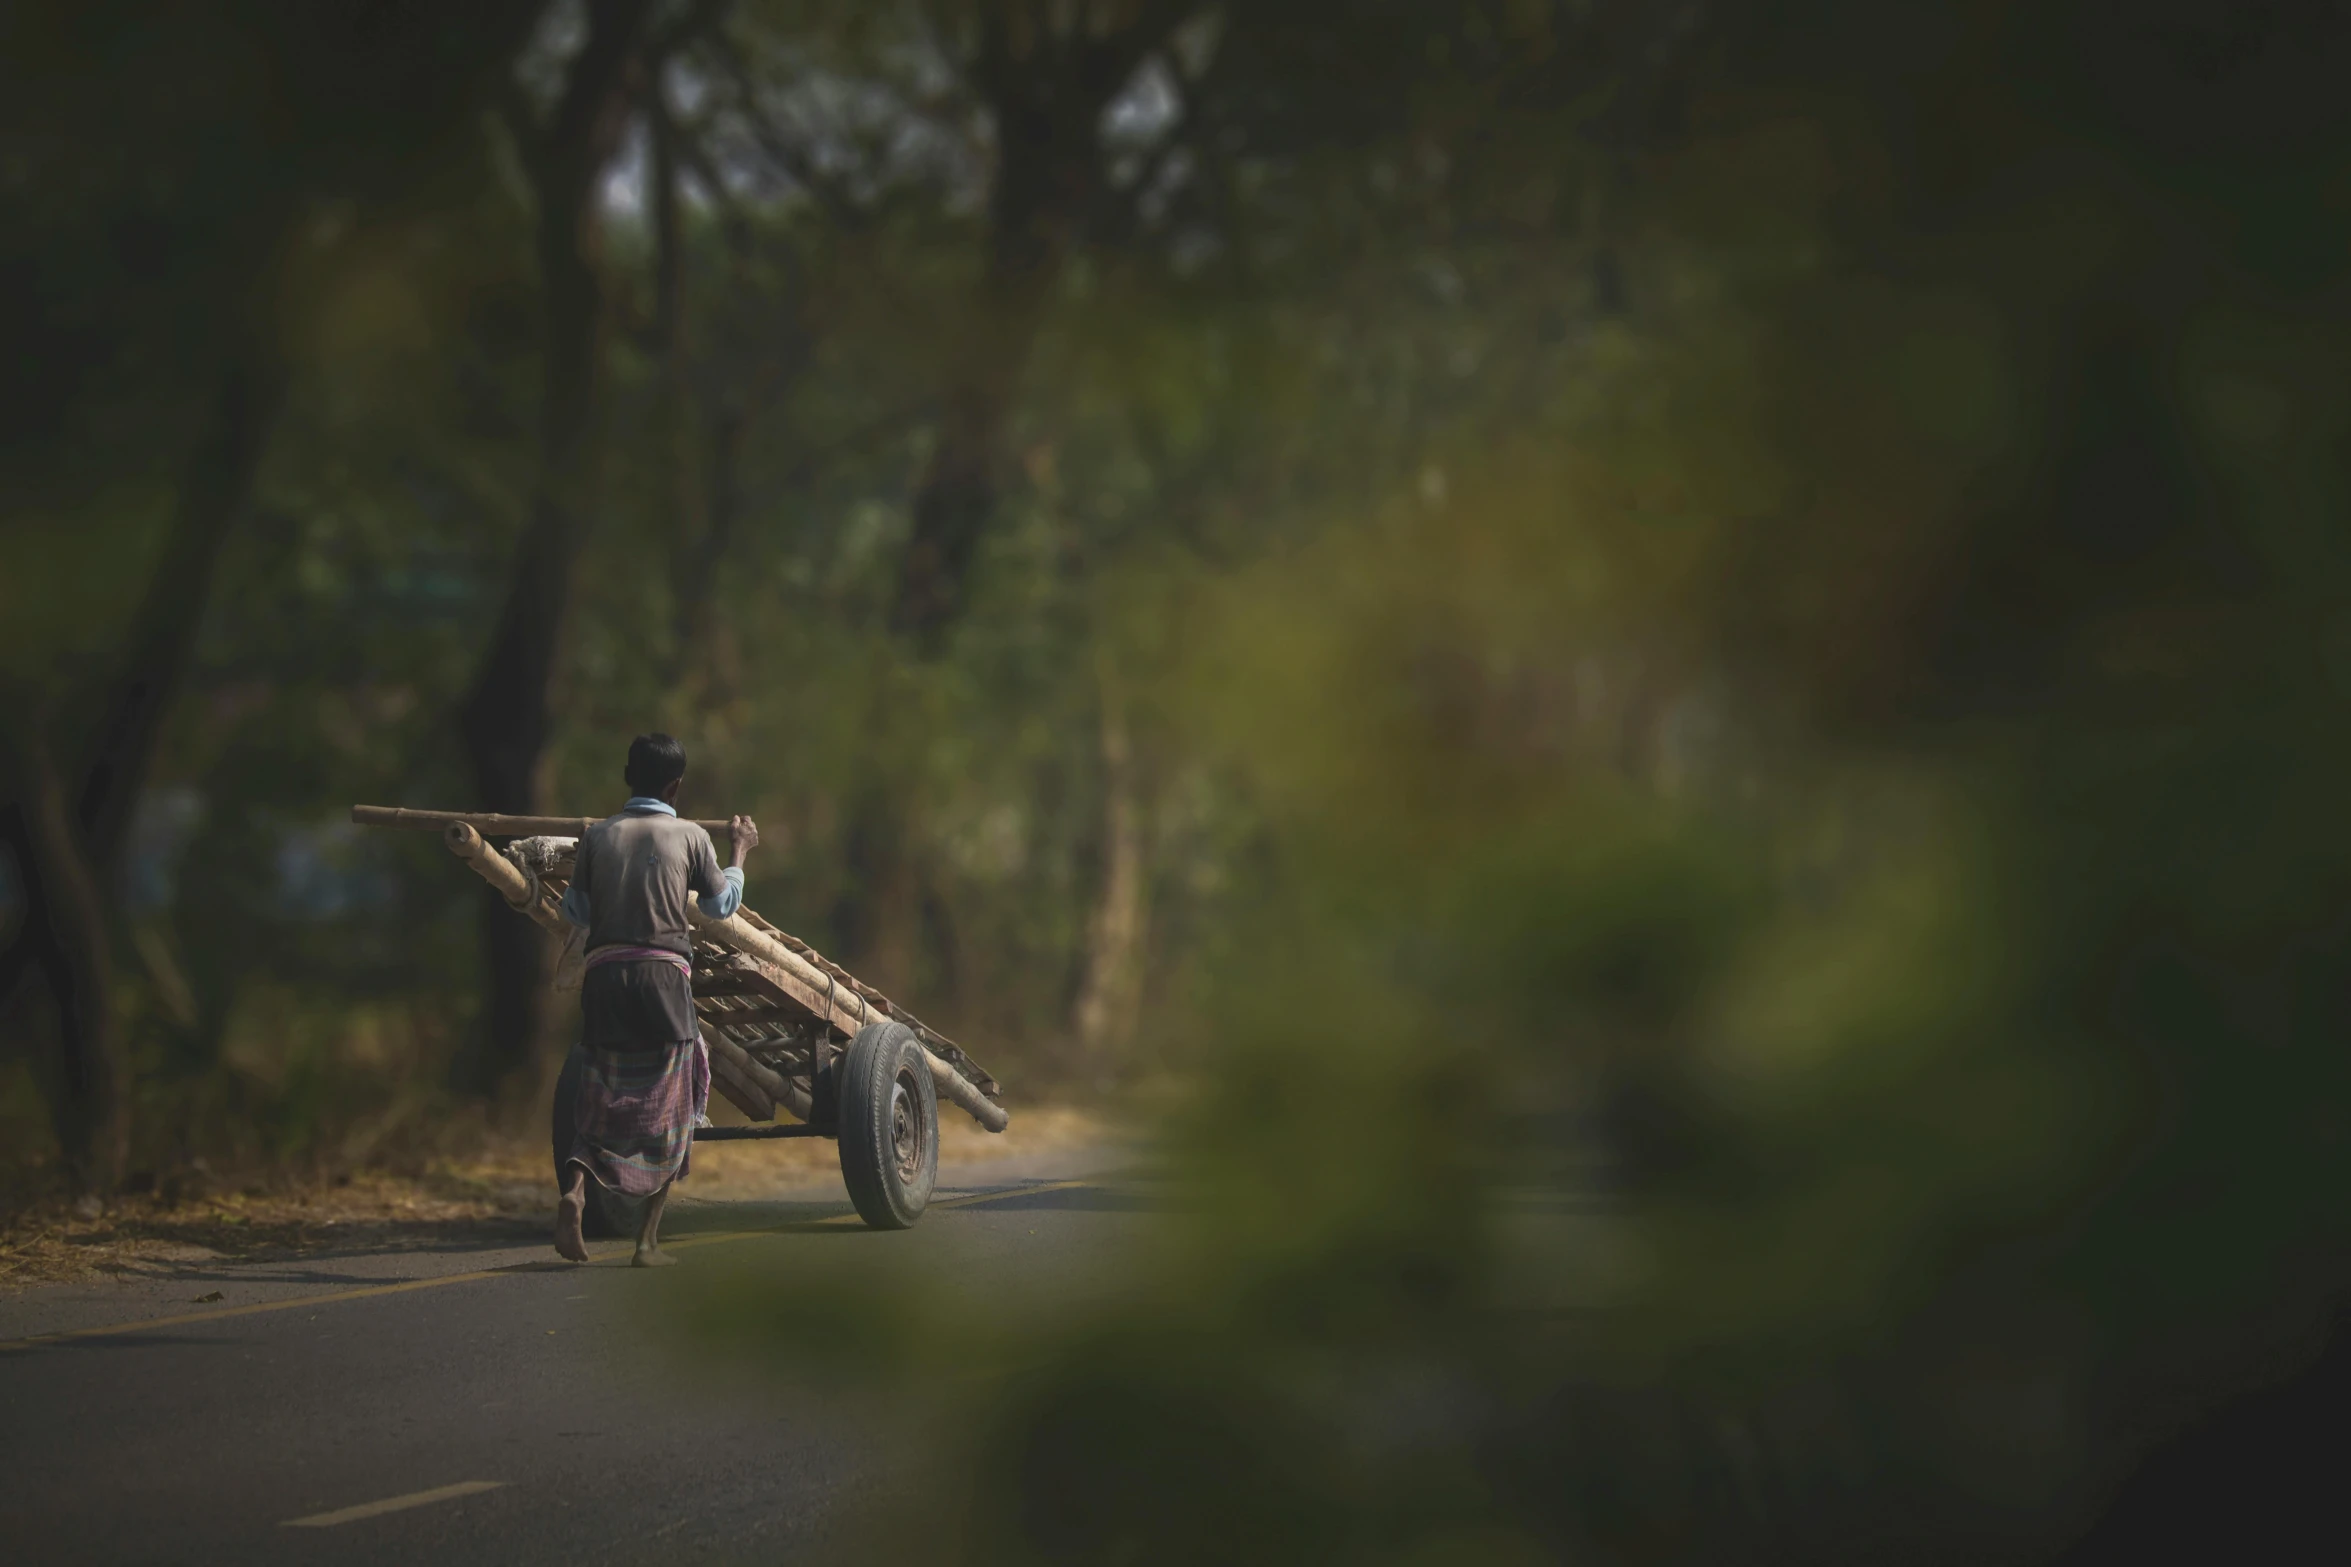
x=639 y=954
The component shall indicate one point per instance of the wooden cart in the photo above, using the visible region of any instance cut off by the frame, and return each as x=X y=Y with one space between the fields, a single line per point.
x=787 y=1029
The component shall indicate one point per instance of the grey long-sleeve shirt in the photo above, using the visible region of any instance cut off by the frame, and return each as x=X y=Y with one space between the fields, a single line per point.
x=638 y=905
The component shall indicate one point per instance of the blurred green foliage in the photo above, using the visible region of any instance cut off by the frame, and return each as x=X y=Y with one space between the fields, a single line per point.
x=1729 y=630
x=1785 y=1000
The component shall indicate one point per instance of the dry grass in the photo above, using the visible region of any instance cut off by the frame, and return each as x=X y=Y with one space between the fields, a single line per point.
x=505 y=1190
x=50 y=1240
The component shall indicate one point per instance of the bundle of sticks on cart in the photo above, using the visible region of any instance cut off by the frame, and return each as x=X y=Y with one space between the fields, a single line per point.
x=775 y=1013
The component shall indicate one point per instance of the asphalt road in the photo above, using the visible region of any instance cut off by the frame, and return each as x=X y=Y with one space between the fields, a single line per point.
x=486 y=1405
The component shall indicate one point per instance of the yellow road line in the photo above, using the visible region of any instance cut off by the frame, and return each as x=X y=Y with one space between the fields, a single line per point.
x=393 y=1504
x=370 y=1292
x=185 y=1318
x=975 y=1199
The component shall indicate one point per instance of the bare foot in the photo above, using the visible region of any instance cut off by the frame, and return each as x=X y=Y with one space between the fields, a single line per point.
x=649 y=1252
x=570 y=1208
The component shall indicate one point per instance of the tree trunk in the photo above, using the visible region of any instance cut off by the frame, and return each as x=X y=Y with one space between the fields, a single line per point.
x=67 y=840
x=505 y=724
x=878 y=917
x=506 y=717
x=714 y=661
x=957 y=495
x=1110 y=1000
x=64 y=936
x=692 y=556
x=1046 y=95
x=1046 y=182
x=700 y=480
x=213 y=495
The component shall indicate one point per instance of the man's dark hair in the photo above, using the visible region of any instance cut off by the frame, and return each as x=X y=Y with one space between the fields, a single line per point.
x=655 y=762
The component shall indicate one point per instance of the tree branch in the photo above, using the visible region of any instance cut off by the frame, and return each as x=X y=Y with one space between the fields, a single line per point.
x=694 y=158
x=689 y=25
x=215 y=490
x=1120 y=216
x=825 y=191
x=521 y=120
x=575 y=141
x=17 y=956
x=1107 y=64
x=991 y=62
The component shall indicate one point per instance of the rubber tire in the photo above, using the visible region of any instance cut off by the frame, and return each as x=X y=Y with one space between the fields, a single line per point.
x=608 y=1215
x=883 y=1057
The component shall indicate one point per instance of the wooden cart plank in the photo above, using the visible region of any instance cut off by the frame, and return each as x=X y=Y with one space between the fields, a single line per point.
x=789 y=1012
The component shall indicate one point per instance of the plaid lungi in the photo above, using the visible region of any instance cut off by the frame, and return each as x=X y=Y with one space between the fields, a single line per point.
x=634 y=1116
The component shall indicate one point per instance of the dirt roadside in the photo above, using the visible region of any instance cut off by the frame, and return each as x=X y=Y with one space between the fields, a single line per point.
x=503 y=1192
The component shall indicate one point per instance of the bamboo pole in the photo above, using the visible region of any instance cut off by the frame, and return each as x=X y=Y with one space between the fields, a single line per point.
x=494 y=868
x=842 y=976
x=840 y=1006
x=752 y=1103
x=808 y=985
x=492 y=824
x=738 y=1063
x=817 y=976
x=953 y=1085
x=747 y=1096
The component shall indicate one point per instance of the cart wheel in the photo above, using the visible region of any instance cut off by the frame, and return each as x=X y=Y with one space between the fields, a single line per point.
x=608 y=1214
x=889 y=1126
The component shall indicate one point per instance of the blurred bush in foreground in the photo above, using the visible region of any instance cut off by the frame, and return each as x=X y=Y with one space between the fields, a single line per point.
x=1788 y=998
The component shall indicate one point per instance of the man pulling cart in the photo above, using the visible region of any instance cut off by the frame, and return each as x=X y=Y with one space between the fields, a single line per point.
x=684 y=990
x=644 y=1076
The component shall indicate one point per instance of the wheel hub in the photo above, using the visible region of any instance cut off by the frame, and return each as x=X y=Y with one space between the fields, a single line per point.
x=906 y=1129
